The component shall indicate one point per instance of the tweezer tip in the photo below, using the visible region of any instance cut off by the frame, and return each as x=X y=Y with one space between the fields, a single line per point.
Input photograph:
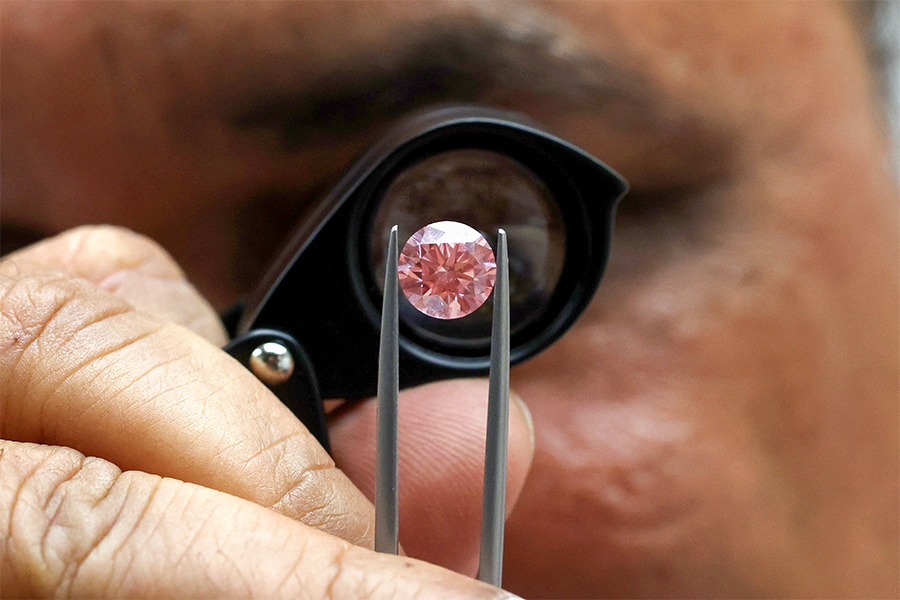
x=386 y=513
x=496 y=442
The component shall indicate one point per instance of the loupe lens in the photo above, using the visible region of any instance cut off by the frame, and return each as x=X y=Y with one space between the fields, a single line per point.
x=487 y=191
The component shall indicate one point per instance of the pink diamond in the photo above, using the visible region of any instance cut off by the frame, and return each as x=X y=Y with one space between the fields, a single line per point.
x=447 y=270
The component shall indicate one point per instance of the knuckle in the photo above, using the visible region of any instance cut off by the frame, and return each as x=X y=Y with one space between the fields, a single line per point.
x=323 y=498
x=132 y=267
x=100 y=252
x=48 y=334
x=56 y=507
x=305 y=484
x=30 y=302
x=42 y=310
x=304 y=479
x=317 y=495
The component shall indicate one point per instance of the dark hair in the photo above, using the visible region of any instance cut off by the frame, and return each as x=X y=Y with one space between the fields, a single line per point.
x=879 y=23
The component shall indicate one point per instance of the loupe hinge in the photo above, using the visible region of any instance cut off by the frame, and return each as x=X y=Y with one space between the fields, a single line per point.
x=281 y=364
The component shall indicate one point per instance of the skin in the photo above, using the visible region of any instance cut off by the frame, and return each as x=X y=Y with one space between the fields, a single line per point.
x=721 y=422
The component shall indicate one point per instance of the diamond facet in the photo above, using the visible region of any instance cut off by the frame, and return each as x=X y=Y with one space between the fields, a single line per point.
x=447 y=270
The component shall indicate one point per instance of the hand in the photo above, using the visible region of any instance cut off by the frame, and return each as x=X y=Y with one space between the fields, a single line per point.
x=138 y=458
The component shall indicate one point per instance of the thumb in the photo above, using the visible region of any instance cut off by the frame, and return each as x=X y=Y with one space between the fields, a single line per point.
x=441 y=438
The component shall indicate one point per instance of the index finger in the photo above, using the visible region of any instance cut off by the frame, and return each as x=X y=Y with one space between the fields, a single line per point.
x=81 y=368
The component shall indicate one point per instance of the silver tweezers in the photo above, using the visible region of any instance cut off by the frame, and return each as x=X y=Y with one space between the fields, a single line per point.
x=495 y=453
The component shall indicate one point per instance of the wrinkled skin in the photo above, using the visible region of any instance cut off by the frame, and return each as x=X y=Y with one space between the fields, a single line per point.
x=723 y=421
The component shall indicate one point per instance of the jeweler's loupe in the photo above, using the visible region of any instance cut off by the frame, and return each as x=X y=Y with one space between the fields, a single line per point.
x=321 y=299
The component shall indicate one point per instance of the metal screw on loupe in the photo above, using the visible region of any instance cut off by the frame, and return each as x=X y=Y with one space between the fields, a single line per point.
x=272 y=363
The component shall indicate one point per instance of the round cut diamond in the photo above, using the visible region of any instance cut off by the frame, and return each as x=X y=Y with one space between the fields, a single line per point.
x=447 y=270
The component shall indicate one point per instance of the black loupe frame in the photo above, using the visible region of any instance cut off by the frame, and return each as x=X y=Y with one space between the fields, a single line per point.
x=321 y=291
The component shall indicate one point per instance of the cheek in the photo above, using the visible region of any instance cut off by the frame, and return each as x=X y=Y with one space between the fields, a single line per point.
x=656 y=419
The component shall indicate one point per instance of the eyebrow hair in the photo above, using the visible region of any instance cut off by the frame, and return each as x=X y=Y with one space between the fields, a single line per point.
x=453 y=60
x=508 y=62
x=497 y=59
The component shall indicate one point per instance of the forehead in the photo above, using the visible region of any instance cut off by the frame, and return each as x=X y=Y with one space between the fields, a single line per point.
x=133 y=112
x=298 y=73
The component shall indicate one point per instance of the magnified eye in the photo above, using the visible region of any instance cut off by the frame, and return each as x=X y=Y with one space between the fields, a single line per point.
x=487 y=191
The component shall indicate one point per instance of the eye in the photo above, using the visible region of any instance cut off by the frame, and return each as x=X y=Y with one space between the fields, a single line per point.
x=487 y=191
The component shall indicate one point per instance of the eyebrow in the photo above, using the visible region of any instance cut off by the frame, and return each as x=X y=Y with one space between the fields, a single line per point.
x=449 y=61
x=504 y=62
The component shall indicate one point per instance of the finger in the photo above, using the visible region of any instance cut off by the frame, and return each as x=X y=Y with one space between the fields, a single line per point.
x=81 y=368
x=80 y=527
x=442 y=432
x=132 y=267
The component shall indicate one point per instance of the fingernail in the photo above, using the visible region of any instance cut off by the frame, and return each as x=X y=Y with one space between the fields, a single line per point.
x=526 y=415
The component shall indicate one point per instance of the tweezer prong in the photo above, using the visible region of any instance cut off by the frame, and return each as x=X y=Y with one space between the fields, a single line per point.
x=493 y=508
x=386 y=510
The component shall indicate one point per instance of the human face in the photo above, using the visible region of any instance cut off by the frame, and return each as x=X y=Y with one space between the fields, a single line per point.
x=723 y=419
